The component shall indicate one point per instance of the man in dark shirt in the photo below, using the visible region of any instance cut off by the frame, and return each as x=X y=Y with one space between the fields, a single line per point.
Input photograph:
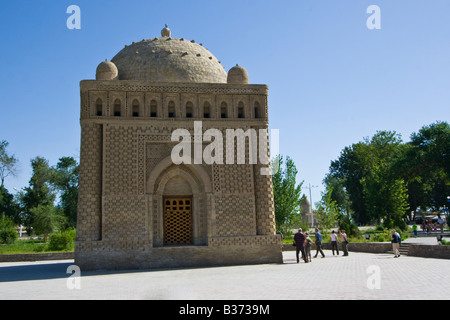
x=299 y=239
x=318 y=236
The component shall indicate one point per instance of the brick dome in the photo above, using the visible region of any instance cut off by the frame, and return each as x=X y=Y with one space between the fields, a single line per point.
x=106 y=70
x=168 y=59
x=237 y=75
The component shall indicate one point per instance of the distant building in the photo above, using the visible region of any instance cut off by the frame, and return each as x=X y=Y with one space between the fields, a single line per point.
x=307 y=213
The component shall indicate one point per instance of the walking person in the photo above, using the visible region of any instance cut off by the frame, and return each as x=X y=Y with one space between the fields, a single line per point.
x=281 y=239
x=318 y=242
x=334 y=242
x=440 y=222
x=396 y=240
x=429 y=223
x=308 y=245
x=299 y=240
x=344 y=241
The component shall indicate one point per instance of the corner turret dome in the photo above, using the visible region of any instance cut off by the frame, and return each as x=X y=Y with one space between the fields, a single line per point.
x=107 y=71
x=237 y=75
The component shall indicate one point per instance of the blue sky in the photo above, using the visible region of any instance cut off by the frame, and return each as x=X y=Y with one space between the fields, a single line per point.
x=332 y=81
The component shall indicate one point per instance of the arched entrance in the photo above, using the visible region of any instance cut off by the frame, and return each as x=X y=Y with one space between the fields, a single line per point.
x=179 y=210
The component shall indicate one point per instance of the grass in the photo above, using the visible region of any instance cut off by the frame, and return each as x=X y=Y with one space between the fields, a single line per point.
x=29 y=246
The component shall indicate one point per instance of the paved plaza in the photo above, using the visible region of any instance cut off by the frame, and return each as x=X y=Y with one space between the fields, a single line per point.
x=358 y=276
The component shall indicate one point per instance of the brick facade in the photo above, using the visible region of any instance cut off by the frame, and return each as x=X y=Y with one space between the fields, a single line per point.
x=126 y=172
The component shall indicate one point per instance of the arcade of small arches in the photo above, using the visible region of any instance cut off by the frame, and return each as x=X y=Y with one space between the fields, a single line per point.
x=224 y=111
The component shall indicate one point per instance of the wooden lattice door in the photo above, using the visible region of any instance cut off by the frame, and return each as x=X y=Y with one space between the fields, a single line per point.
x=177 y=221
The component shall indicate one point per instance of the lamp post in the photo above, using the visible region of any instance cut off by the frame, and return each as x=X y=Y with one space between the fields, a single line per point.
x=310 y=201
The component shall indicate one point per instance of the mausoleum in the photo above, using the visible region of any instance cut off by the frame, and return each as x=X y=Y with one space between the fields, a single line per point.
x=137 y=207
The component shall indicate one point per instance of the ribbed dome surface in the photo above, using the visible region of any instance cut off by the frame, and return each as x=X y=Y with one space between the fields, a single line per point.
x=168 y=59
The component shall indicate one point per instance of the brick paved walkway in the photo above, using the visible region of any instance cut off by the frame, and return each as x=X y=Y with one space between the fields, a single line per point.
x=335 y=277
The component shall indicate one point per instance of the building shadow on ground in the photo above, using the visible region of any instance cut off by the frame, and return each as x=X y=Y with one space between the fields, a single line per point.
x=59 y=270
x=36 y=271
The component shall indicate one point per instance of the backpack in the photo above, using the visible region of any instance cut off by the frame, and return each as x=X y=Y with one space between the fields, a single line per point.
x=397 y=238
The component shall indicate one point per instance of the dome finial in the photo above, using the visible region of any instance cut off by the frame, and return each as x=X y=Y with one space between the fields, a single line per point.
x=165 y=32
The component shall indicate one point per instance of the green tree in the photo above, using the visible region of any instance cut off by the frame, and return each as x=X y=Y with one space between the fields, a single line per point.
x=345 y=175
x=8 y=163
x=39 y=192
x=46 y=220
x=338 y=193
x=426 y=166
x=385 y=195
x=9 y=206
x=287 y=193
x=7 y=232
x=366 y=172
x=328 y=211
x=384 y=178
x=65 y=180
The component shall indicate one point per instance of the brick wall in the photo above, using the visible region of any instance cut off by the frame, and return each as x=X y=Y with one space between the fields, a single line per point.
x=36 y=256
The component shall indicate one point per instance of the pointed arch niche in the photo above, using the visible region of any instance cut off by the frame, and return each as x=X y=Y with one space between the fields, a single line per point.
x=168 y=182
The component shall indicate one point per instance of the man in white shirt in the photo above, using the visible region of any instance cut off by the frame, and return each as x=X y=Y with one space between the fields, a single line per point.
x=334 y=242
x=440 y=222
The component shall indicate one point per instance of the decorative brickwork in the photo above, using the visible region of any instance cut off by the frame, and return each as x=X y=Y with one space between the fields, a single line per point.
x=265 y=217
x=245 y=241
x=233 y=178
x=197 y=89
x=89 y=218
x=121 y=172
x=125 y=218
x=235 y=215
x=90 y=183
x=127 y=173
x=91 y=155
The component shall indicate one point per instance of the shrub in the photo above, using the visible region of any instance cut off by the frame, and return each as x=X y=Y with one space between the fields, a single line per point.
x=38 y=248
x=350 y=228
x=379 y=238
x=404 y=235
x=7 y=233
x=61 y=241
x=8 y=236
